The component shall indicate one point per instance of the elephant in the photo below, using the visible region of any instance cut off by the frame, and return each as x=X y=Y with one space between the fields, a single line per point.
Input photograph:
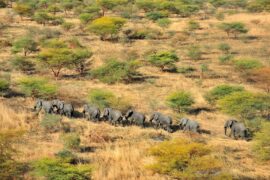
x=47 y=106
x=190 y=125
x=59 y=105
x=113 y=116
x=159 y=120
x=91 y=112
x=240 y=131
x=229 y=124
x=135 y=118
x=68 y=110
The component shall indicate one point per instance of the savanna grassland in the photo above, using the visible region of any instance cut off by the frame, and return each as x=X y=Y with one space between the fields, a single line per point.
x=137 y=54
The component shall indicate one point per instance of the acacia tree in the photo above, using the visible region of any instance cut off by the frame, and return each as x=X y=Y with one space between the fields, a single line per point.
x=109 y=4
x=79 y=60
x=234 y=28
x=25 y=44
x=23 y=10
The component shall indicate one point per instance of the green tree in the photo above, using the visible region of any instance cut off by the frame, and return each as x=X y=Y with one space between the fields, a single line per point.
x=109 y=4
x=25 y=44
x=22 y=64
x=42 y=17
x=234 y=28
x=221 y=91
x=116 y=71
x=80 y=57
x=180 y=101
x=37 y=87
x=164 y=60
x=106 y=26
x=23 y=10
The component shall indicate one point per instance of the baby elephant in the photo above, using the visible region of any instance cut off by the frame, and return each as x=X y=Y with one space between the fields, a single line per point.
x=159 y=120
x=91 y=112
x=135 y=118
x=189 y=125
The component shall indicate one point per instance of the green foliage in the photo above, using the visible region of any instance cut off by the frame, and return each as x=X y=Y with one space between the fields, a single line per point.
x=9 y=168
x=25 y=44
x=186 y=70
x=68 y=26
x=164 y=22
x=221 y=91
x=37 y=87
x=234 y=28
x=164 y=60
x=246 y=105
x=86 y=17
x=110 y=4
x=245 y=64
x=193 y=25
x=66 y=156
x=106 y=26
x=180 y=101
x=4 y=85
x=104 y=98
x=101 y=98
x=224 y=47
x=183 y=159
x=23 y=9
x=22 y=64
x=194 y=52
x=56 y=169
x=261 y=144
x=258 y=6
x=51 y=123
x=71 y=141
x=42 y=17
x=114 y=71
x=155 y=15
x=225 y=58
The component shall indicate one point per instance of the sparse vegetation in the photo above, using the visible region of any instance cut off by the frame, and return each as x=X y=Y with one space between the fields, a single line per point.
x=245 y=64
x=180 y=101
x=71 y=141
x=51 y=123
x=234 y=28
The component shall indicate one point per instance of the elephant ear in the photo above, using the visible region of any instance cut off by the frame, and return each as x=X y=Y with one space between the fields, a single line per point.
x=231 y=122
x=184 y=122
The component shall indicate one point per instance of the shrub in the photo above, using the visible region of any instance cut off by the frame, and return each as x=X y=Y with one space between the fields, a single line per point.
x=37 y=87
x=245 y=105
x=155 y=15
x=51 y=123
x=57 y=169
x=22 y=64
x=164 y=22
x=106 y=26
x=224 y=47
x=66 y=156
x=261 y=144
x=186 y=70
x=194 y=52
x=234 y=28
x=68 y=26
x=225 y=58
x=71 y=141
x=101 y=98
x=25 y=44
x=114 y=71
x=193 y=25
x=4 y=85
x=9 y=167
x=86 y=17
x=180 y=101
x=164 y=60
x=221 y=91
x=183 y=159
x=42 y=17
x=247 y=64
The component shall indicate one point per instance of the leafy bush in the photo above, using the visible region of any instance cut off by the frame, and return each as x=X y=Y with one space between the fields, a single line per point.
x=246 y=105
x=57 y=169
x=180 y=101
x=114 y=71
x=68 y=26
x=155 y=15
x=193 y=25
x=71 y=141
x=4 y=85
x=224 y=47
x=106 y=26
x=234 y=28
x=183 y=159
x=51 y=123
x=164 y=22
x=22 y=64
x=37 y=87
x=67 y=156
x=261 y=143
x=247 y=64
x=9 y=167
x=221 y=91
x=225 y=58
x=86 y=17
x=104 y=98
x=186 y=70
x=164 y=60
x=194 y=52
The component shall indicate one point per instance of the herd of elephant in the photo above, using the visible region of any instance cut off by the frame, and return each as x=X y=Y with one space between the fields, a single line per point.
x=131 y=117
